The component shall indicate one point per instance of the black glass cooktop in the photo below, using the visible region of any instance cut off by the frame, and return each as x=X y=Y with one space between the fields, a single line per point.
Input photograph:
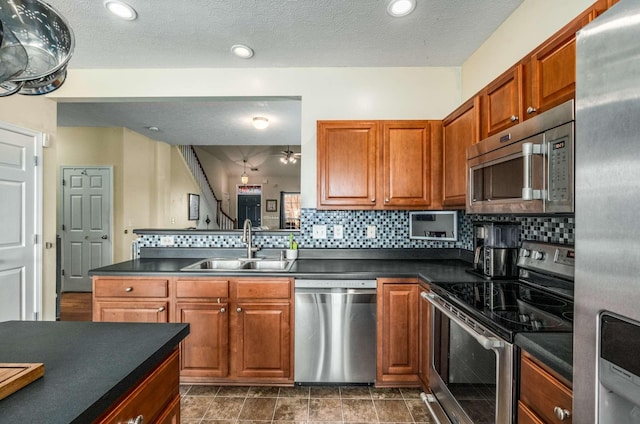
x=510 y=307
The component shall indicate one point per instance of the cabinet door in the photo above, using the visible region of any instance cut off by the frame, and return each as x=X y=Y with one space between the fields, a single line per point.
x=347 y=164
x=262 y=340
x=552 y=75
x=460 y=130
x=541 y=392
x=503 y=101
x=204 y=352
x=406 y=164
x=397 y=333
x=130 y=311
x=424 y=352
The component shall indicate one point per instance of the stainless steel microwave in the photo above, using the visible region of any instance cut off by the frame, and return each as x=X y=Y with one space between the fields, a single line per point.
x=527 y=169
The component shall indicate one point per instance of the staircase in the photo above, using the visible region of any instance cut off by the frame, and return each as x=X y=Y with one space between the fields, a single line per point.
x=222 y=220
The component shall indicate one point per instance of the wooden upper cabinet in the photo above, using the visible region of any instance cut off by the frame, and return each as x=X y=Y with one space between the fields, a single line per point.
x=551 y=72
x=503 y=102
x=347 y=164
x=460 y=130
x=379 y=164
x=406 y=155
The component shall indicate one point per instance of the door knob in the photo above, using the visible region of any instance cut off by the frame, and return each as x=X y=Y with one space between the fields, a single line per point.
x=104 y=237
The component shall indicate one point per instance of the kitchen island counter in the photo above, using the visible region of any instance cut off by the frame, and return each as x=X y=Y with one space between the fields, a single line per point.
x=88 y=366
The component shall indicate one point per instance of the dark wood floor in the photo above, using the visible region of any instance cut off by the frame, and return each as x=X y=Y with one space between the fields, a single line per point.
x=75 y=307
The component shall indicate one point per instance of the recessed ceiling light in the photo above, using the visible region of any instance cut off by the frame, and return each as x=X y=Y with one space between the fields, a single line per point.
x=242 y=51
x=153 y=128
x=260 y=122
x=398 y=8
x=121 y=10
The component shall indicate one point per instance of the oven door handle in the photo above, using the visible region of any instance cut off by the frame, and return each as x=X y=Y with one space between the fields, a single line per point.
x=488 y=343
x=528 y=150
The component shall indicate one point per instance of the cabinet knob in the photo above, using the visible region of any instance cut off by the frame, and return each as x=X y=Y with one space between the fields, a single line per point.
x=513 y=118
x=373 y=200
x=386 y=200
x=128 y=289
x=161 y=309
x=222 y=310
x=136 y=420
x=531 y=110
x=238 y=309
x=561 y=413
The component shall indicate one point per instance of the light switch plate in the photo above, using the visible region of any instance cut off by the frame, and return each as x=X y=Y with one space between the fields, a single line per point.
x=338 y=232
x=319 y=231
x=166 y=241
x=371 y=231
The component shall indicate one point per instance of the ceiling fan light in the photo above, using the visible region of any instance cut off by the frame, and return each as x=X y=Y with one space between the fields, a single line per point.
x=283 y=159
x=292 y=159
x=260 y=122
x=121 y=10
x=242 y=51
x=398 y=8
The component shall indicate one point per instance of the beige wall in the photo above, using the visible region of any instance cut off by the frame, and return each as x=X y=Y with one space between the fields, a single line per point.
x=150 y=179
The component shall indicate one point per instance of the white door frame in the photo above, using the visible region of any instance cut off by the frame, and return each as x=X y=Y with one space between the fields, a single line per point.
x=38 y=138
x=60 y=218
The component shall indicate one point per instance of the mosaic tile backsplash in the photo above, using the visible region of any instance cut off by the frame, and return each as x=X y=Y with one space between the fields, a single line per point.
x=392 y=232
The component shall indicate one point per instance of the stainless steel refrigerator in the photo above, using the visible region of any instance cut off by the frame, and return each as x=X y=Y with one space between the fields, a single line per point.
x=606 y=376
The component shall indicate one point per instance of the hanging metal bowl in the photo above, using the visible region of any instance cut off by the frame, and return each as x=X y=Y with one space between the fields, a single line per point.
x=48 y=40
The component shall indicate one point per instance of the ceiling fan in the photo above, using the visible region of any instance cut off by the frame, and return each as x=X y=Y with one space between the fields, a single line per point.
x=288 y=156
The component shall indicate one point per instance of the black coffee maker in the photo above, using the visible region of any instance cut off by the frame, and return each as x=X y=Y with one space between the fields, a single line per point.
x=496 y=249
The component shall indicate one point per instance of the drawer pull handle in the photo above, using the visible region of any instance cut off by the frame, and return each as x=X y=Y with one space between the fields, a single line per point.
x=128 y=289
x=136 y=420
x=161 y=309
x=561 y=413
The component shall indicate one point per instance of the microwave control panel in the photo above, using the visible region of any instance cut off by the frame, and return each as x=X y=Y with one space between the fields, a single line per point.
x=559 y=170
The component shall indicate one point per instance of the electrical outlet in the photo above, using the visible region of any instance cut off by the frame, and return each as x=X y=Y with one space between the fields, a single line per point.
x=166 y=241
x=338 y=232
x=319 y=231
x=371 y=231
x=173 y=219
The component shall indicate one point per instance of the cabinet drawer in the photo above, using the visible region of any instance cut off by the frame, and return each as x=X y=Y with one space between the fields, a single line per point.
x=126 y=287
x=263 y=289
x=542 y=392
x=202 y=288
x=151 y=396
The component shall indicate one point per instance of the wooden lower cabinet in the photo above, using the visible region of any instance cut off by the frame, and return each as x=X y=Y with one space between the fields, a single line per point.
x=542 y=393
x=397 y=333
x=130 y=299
x=156 y=398
x=240 y=329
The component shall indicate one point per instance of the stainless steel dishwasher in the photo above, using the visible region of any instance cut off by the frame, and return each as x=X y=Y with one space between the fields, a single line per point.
x=335 y=331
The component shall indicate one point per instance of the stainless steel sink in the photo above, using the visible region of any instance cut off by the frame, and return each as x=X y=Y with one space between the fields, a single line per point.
x=240 y=264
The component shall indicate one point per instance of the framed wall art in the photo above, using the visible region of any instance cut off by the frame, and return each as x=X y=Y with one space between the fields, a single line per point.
x=194 y=207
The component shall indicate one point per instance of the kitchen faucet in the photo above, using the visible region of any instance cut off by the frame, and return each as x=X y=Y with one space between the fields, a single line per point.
x=247 y=238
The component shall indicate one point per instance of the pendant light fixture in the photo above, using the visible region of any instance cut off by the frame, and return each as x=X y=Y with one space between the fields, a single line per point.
x=244 y=177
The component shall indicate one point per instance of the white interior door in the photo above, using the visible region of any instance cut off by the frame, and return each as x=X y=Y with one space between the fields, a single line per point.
x=20 y=289
x=86 y=225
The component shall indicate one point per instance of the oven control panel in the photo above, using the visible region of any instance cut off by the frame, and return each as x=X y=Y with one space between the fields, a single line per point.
x=555 y=259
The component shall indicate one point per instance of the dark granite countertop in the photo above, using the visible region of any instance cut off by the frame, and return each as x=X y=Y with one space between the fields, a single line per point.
x=88 y=366
x=444 y=266
x=552 y=349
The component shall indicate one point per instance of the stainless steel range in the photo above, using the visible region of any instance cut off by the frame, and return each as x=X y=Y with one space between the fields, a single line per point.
x=473 y=326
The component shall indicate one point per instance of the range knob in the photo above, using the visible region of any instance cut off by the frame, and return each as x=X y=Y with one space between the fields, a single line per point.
x=537 y=255
x=525 y=253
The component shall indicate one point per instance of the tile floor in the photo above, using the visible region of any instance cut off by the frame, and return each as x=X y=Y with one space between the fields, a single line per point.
x=306 y=404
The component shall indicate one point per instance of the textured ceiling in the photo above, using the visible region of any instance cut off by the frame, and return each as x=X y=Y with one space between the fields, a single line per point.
x=283 y=33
